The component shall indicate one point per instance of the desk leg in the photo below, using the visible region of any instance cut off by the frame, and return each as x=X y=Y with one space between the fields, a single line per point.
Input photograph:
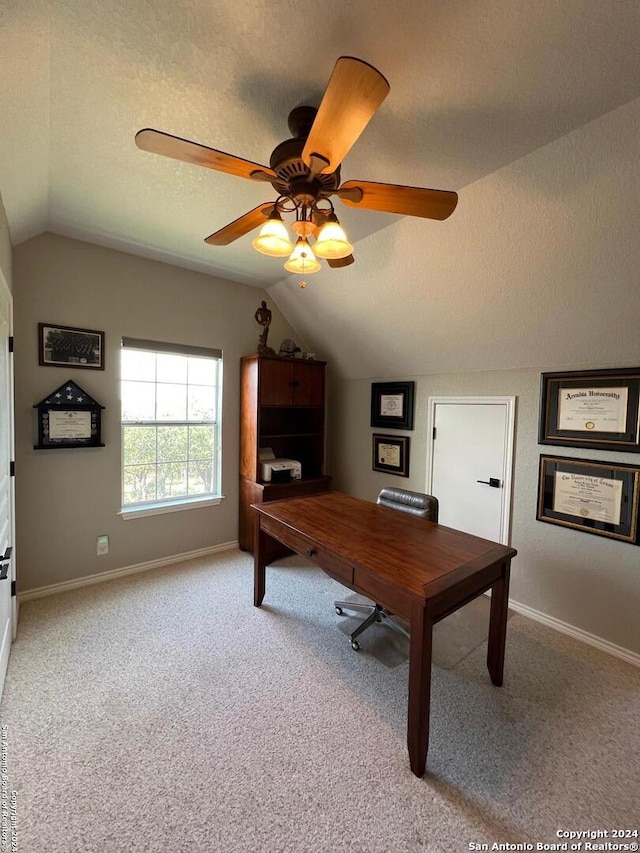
x=419 y=686
x=498 y=625
x=259 y=563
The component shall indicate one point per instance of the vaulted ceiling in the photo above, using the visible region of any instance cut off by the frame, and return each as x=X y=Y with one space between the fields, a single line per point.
x=474 y=87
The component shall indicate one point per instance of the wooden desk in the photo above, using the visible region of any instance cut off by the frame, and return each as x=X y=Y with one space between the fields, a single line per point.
x=416 y=569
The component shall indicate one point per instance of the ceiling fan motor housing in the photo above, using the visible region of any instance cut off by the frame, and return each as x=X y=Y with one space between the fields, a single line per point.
x=286 y=161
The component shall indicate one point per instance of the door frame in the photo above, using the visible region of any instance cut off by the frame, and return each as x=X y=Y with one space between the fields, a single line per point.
x=11 y=579
x=508 y=459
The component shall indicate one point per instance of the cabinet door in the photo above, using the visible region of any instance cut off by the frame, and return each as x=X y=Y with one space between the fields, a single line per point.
x=276 y=378
x=308 y=383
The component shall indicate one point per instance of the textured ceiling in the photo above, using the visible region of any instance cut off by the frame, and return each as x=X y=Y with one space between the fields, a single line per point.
x=474 y=86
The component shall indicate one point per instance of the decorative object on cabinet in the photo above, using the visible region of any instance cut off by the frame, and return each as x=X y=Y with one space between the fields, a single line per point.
x=391 y=454
x=66 y=346
x=68 y=418
x=592 y=496
x=392 y=404
x=599 y=409
x=263 y=318
x=288 y=348
x=282 y=410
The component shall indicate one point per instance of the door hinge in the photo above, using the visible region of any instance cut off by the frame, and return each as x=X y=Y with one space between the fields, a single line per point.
x=12 y=468
x=434 y=433
x=13 y=589
x=5 y=562
x=10 y=340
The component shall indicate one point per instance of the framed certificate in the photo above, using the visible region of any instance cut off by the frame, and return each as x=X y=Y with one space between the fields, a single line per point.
x=392 y=404
x=595 y=497
x=391 y=454
x=594 y=408
x=68 y=417
x=69 y=424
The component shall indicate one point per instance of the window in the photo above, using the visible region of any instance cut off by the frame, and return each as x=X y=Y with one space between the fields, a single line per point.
x=171 y=430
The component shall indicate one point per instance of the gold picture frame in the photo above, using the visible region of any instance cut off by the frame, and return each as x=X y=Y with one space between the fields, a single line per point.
x=391 y=454
x=593 y=496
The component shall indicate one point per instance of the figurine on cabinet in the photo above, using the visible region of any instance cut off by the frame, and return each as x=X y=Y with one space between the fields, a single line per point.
x=263 y=318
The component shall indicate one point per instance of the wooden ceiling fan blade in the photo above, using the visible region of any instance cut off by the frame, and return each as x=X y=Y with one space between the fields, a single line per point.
x=241 y=226
x=393 y=198
x=157 y=142
x=353 y=95
x=336 y=263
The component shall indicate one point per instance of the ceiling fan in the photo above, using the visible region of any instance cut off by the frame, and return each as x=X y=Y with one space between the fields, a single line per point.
x=305 y=172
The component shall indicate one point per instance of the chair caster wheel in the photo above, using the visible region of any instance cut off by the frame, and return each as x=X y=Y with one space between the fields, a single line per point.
x=339 y=611
x=355 y=645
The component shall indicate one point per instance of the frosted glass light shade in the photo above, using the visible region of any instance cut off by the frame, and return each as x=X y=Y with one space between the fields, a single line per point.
x=273 y=239
x=302 y=260
x=332 y=242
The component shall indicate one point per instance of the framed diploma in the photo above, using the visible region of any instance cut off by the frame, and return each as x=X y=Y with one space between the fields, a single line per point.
x=593 y=408
x=391 y=454
x=595 y=497
x=392 y=404
x=68 y=417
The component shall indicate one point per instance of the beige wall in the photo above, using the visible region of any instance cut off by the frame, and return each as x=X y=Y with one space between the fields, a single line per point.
x=66 y=498
x=587 y=581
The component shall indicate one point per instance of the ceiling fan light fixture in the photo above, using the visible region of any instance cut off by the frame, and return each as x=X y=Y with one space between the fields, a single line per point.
x=302 y=260
x=273 y=239
x=303 y=227
x=332 y=242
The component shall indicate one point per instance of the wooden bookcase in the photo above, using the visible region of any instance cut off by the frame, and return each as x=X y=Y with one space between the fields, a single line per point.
x=282 y=406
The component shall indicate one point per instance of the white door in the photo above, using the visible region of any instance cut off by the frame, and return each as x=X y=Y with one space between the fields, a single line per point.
x=470 y=463
x=6 y=483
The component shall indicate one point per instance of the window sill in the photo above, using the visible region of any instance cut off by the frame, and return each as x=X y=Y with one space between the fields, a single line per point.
x=151 y=509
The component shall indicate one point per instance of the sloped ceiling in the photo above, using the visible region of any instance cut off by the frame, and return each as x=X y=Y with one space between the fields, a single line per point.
x=474 y=87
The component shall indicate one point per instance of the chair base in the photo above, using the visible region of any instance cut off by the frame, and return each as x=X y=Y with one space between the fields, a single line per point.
x=376 y=614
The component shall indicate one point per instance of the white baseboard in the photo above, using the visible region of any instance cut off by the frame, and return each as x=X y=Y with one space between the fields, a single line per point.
x=64 y=586
x=577 y=633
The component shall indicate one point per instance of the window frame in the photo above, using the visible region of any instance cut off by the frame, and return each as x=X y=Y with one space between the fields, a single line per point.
x=184 y=502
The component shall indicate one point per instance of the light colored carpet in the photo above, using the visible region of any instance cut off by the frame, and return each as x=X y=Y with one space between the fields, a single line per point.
x=453 y=638
x=163 y=712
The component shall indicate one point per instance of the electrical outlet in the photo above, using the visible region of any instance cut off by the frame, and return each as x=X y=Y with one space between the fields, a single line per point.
x=103 y=545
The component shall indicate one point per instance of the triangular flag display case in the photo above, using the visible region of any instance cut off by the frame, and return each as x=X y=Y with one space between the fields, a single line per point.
x=68 y=417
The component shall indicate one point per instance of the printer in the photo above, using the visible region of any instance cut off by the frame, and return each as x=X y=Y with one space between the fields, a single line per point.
x=274 y=470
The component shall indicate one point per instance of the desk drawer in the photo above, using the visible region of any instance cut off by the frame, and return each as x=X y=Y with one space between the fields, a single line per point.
x=331 y=563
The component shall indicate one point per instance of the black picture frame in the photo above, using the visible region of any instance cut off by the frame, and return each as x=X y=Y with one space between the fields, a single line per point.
x=392 y=405
x=67 y=418
x=590 y=495
x=68 y=346
x=598 y=409
x=391 y=454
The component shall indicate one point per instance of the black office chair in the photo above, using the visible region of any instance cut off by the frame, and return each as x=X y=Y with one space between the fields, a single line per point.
x=415 y=503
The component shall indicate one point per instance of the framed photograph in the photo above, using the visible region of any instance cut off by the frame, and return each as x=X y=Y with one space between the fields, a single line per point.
x=595 y=497
x=66 y=346
x=591 y=408
x=391 y=454
x=392 y=404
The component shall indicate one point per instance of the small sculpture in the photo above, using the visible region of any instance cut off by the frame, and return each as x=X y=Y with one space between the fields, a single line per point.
x=263 y=318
